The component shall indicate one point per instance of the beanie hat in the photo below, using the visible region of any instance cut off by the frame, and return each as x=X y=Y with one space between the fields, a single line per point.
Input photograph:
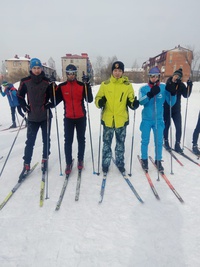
x=71 y=68
x=4 y=83
x=118 y=65
x=179 y=73
x=35 y=62
x=154 y=71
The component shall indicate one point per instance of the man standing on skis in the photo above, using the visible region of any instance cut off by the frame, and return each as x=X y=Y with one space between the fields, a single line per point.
x=11 y=92
x=152 y=97
x=37 y=90
x=73 y=93
x=175 y=83
x=114 y=97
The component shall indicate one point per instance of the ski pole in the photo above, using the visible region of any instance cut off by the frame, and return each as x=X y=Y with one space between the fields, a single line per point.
x=156 y=139
x=86 y=95
x=47 y=169
x=131 y=160
x=54 y=97
x=11 y=147
x=99 y=152
x=186 y=109
x=170 y=125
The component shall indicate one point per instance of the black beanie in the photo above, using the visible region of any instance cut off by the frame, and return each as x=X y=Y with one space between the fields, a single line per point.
x=118 y=65
x=178 y=72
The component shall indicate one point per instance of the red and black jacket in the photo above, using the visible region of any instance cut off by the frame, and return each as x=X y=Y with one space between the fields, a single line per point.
x=73 y=94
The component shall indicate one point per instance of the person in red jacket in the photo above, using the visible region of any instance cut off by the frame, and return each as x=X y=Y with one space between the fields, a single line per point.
x=73 y=93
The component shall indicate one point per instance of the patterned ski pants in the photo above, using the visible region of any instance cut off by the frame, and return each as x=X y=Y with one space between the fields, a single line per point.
x=120 y=134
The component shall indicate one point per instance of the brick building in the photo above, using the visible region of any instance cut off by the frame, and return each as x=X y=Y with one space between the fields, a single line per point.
x=20 y=66
x=170 y=60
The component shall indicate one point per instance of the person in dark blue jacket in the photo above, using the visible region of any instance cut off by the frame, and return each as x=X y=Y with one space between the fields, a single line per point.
x=175 y=83
x=11 y=92
x=152 y=96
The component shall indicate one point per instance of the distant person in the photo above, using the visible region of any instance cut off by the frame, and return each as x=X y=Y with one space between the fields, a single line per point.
x=152 y=97
x=195 y=137
x=114 y=97
x=73 y=93
x=175 y=84
x=37 y=90
x=11 y=92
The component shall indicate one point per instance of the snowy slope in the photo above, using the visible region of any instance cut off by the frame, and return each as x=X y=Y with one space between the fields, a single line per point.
x=120 y=232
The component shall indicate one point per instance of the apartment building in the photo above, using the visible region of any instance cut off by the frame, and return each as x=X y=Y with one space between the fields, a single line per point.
x=82 y=63
x=170 y=60
x=20 y=66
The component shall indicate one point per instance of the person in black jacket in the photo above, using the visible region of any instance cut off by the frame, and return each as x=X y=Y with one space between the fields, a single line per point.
x=179 y=89
x=36 y=88
x=195 y=137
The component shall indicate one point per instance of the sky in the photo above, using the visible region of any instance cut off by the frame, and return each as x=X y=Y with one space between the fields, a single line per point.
x=131 y=30
x=120 y=232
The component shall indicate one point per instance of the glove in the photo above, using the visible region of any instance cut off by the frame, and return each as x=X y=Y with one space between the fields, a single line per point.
x=154 y=91
x=49 y=105
x=189 y=83
x=133 y=105
x=171 y=88
x=136 y=103
x=85 y=79
x=26 y=108
x=102 y=102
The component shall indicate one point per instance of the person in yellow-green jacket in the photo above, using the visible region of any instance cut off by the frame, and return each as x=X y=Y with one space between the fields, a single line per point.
x=114 y=97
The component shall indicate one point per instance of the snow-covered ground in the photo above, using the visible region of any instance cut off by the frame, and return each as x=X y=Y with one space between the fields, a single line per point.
x=120 y=232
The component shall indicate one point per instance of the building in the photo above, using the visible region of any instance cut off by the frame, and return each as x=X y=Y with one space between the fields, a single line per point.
x=81 y=62
x=18 y=67
x=135 y=75
x=170 y=60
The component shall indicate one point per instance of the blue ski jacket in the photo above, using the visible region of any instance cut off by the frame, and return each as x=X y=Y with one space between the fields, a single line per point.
x=153 y=107
x=11 y=93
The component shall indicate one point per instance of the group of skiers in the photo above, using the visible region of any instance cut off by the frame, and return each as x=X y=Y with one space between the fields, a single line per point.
x=36 y=96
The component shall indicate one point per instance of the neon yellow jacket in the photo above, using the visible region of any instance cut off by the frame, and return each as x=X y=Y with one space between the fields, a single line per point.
x=117 y=92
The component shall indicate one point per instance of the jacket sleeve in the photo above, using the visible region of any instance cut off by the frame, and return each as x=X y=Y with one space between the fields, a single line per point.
x=58 y=96
x=88 y=92
x=143 y=98
x=22 y=91
x=99 y=95
x=185 y=91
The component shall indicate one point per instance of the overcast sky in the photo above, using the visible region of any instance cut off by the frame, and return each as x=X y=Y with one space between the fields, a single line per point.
x=130 y=30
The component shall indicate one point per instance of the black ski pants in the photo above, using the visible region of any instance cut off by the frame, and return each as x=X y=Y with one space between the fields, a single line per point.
x=32 y=130
x=176 y=117
x=69 y=127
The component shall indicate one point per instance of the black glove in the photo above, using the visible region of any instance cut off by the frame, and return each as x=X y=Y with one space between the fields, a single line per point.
x=85 y=79
x=102 y=102
x=26 y=108
x=136 y=103
x=171 y=88
x=154 y=91
x=133 y=105
x=189 y=83
x=49 y=105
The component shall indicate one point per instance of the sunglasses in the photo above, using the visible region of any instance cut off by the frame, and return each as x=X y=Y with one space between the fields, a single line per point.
x=71 y=73
x=154 y=76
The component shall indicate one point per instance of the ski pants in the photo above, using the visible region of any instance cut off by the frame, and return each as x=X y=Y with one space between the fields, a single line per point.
x=196 y=132
x=32 y=130
x=145 y=128
x=176 y=117
x=120 y=134
x=69 y=127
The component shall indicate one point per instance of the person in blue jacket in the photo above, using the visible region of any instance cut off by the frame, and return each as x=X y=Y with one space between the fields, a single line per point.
x=152 y=97
x=11 y=92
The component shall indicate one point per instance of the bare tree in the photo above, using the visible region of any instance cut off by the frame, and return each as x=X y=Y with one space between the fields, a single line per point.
x=17 y=76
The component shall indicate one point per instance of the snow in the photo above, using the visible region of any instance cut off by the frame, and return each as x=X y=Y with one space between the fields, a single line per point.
x=120 y=232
